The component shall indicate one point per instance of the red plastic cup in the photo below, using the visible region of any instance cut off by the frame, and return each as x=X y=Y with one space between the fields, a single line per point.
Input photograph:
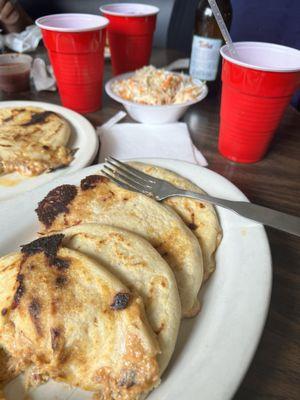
x=75 y=44
x=130 y=34
x=256 y=89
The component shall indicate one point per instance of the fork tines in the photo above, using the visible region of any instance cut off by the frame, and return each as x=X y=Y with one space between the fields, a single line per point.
x=128 y=177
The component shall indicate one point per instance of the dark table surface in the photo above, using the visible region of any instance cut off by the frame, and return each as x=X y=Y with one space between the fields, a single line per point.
x=273 y=182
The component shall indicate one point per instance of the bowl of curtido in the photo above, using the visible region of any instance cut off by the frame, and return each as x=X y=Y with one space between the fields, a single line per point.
x=156 y=96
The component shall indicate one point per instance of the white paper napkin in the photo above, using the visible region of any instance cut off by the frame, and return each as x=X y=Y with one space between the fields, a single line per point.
x=125 y=141
x=22 y=42
x=181 y=63
x=42 y=75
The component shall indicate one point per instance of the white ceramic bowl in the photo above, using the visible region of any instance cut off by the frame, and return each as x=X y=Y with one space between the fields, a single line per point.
x=153 y=114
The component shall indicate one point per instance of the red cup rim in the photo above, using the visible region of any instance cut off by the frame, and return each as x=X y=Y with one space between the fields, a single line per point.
x=95 y=22
x=287 y=52
x=142 y=10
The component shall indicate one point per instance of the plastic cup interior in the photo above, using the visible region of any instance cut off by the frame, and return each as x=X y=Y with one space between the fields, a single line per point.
x=264 y=56
x=72 y=22
x=12 y=63
x=129 y=9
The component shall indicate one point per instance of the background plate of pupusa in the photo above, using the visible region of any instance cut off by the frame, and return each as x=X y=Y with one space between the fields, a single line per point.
x=83 y=138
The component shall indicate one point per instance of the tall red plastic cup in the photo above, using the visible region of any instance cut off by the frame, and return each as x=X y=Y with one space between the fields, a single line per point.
x=75 y=44
x=130 y=34
x=256 y=88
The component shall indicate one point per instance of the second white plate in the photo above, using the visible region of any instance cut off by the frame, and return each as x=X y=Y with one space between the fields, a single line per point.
x=83 y=138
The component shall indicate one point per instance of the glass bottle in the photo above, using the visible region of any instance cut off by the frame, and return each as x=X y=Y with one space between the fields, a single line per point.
x=207 y=41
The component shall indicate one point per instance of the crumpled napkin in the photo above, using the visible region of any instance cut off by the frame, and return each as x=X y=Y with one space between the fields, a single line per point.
x=25 y=41
x=126 y=140
x=181 y=63
x=42 y=75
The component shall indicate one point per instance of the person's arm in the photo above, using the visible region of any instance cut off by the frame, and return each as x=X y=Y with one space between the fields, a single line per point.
x=13 y=17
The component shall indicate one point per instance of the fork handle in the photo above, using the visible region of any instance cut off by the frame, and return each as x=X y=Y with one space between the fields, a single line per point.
x=264 y=215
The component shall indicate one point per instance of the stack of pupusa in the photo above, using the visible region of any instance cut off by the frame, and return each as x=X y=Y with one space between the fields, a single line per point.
x=123 y=341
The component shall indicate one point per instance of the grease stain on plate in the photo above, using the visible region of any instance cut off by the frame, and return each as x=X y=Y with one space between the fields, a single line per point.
x=8 y=181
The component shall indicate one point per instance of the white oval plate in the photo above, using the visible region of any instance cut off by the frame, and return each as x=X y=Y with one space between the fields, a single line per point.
x=83 y=138
x=215 y=348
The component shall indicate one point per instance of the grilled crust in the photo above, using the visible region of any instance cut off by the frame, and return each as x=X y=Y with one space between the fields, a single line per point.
x=53 y=128
x=55 y=203
x=69 y=319
x=98 y=200
x=7 y=372
x=33 y=141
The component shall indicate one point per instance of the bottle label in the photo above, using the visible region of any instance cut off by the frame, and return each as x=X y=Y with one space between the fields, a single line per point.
x=205 y=58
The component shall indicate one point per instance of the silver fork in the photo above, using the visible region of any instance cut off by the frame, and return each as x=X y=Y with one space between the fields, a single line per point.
x=132 y=179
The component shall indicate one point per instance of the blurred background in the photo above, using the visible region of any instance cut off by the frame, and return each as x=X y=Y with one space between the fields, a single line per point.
x=275 y=21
